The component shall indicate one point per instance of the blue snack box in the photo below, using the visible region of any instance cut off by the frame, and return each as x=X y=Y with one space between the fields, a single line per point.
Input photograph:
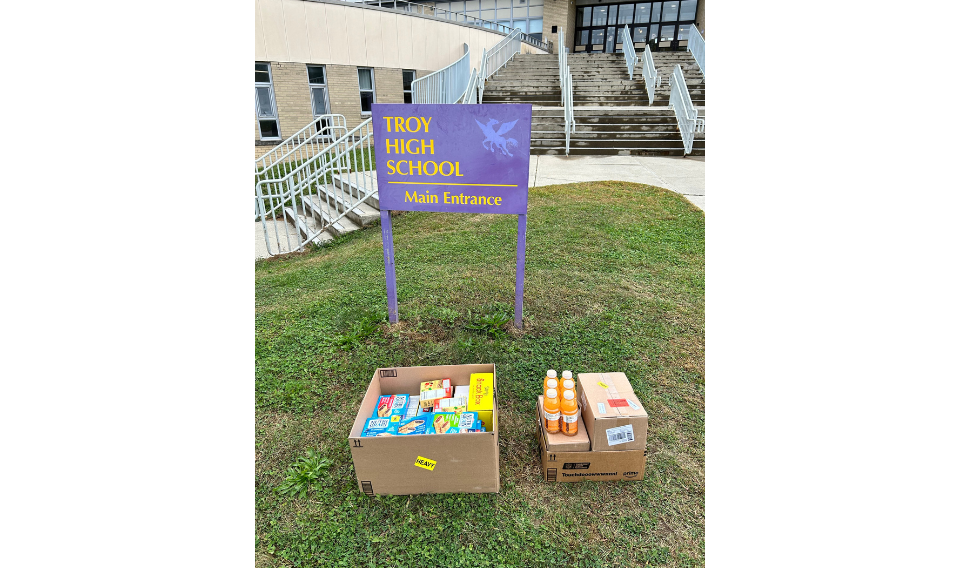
x=452 y=422
x=392 y=405
x=410 y=427
x=377 y=427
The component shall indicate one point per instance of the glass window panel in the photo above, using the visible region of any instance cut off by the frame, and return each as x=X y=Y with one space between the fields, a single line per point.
x=625 y=15
x=319 y=102
x=315 y=75
x=268 y=129
x=611 y=37
x=264 y=105
x=688 y=10
x=520 y=25
x=582 y=37
x=639 y=34
x=642 y=14
x=597 y=37
x=670 y=11
x=472 y=5
x=600 y=15
x=407 y=98
x=408 y=78
x=612 y=15
x=666 y=33
x=655 y=17
x=366 y=100
x=537 y=36
x=652 y=32
x=684 y=32
x=579 y=23
x=536 y=26
x=366 y=79
x=587 y=15
x=262 y=74
x=537 y=12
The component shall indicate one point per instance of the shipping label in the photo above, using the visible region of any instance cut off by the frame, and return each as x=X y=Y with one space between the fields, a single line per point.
x=620 y=435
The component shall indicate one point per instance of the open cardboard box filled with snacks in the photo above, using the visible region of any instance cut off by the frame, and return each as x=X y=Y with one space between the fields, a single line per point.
x=428 y=430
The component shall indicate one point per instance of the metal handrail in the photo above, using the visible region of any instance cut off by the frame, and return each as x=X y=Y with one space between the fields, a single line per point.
x=566 y=93
x=650 y=77
x=501 y=54
x=470 y=95
x=629 y=52
x=698 y=47
x=306 y=143
x=446 y=86
x=312 y=190
x=683 y=108
x=425 y=10
x=482 y=75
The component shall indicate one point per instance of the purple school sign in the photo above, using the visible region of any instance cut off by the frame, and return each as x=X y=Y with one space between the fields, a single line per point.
x=454 y=159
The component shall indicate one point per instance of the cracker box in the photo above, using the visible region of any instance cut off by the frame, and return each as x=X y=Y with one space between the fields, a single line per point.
x=393 y=405
x=410 y=427
x=452 y=422
x=467 y=462
x=450 y=405
x=376 y=427
x=431 y=391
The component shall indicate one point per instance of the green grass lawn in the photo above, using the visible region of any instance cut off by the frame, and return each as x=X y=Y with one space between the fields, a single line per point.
x=614 y=282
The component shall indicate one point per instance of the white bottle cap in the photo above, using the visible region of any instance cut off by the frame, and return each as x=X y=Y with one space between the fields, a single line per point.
x=551 y=393
x=568 y=384
x=568 y=395
x=551 y=383
x=567 y=375
x=551 y=374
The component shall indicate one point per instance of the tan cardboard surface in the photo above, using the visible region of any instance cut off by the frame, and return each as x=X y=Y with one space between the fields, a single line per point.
x=607 y=404
x=567 y=467
x=562 y=442
x=465 y=463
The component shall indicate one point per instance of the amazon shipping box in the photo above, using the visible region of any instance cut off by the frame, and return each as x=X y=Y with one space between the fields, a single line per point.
x=466 y=462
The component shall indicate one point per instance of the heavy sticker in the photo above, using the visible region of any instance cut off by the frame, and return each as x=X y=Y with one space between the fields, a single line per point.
x=425 y=463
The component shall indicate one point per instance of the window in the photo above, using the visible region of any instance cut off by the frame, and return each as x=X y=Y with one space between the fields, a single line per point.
x=643 y=13
x=367 y=94
x=265 y=102
x=318 y=89
x=670 y=11
x=599 y=16
x=408 y=78
x=626 y=15
x=688 y=10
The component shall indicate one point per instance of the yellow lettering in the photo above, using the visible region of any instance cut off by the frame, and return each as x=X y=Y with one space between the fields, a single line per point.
x=446 y=173
x=424 y=145
x=409 y=151
x=482 y=200
x=419 y=171
x=497 y=199
x=458 y=170
x=426 y=125
x=398 y=120
x=408 y=198
x=473 y=200
x=388 y=118
x=434 y=169
x=408 y=168
x=446 y=197
x=420 y=199
x=390 y=168
x=416 y=121
x=395 y=146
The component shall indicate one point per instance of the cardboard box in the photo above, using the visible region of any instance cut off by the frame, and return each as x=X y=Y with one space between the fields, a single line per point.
x=562 y=442
x=567 y=467
x=424 y=463
x=611 y=412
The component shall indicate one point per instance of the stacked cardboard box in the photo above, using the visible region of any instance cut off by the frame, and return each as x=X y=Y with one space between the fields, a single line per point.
x=615 y=425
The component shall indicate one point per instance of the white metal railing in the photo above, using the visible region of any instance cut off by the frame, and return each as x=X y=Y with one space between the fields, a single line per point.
x=566 y=93
x=481 y=75
x=629 y=52
x=683 y=108
x=424 y=10
x=303 y=145
x=470 y=96
x=294 y=209
x=650 y=77
x=698 y=47
x=446 y=86
x=501 y=54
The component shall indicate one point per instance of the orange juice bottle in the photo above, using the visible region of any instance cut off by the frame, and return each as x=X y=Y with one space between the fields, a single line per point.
x=551 y=374
x=568 y=385
x=568 y=408
x=567 y=376
x=551 y=411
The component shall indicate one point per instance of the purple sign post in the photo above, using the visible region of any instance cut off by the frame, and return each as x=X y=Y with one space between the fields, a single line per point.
x=452 y=159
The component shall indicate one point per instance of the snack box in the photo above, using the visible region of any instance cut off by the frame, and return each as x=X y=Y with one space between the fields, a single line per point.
x=452 y=422
x=481 y=398
x=413 y=408
x=392 y=405
x=409 y=465
x=461 y=391
x=410 y=427
x=376 y=427
x=450 y=405
x=431 y=391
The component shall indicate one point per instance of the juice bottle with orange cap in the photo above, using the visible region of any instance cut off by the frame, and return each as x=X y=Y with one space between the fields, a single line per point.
x=551 y=411
x=570 y=415
x=551 y=374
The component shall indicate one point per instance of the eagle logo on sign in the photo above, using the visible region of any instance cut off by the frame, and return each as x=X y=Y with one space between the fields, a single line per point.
x=495 y=140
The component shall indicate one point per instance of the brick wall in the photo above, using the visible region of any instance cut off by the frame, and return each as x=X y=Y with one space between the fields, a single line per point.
x=291 y=88
x=343 y=85
x=389 y=85
x=560 y=13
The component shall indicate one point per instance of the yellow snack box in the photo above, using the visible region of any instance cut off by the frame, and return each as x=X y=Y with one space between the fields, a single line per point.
x=481 y=398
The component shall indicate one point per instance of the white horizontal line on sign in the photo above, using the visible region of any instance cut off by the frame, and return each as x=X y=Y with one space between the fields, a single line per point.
x=444 y=183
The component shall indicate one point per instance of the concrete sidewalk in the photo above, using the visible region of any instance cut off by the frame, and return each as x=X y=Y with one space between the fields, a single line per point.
x=685 y=176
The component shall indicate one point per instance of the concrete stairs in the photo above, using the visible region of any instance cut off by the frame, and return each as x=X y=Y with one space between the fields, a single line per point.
x=612 y=111
x=318 y=210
